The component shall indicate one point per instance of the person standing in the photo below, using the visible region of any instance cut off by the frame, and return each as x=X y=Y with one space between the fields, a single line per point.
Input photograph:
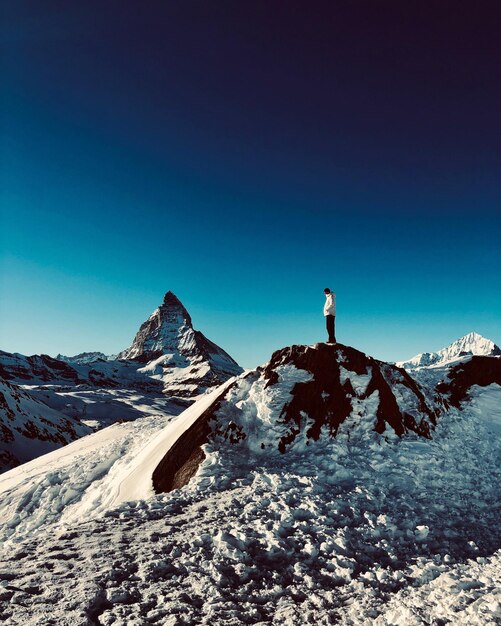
x=330 y=314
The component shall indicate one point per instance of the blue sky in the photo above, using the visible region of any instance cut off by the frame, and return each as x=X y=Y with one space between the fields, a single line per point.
x=245 y=158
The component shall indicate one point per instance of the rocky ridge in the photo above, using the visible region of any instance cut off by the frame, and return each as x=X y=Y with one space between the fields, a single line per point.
x=471 y=344
x=303 y=394
x=29 y=428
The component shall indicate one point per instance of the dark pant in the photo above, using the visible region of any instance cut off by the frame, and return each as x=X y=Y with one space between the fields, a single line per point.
x=329 y=322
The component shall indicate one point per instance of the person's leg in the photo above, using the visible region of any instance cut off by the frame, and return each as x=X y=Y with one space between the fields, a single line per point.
x=329 y=319
x=333 y=329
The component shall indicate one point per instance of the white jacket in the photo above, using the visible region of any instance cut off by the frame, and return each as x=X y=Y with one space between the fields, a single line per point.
x=330 y=304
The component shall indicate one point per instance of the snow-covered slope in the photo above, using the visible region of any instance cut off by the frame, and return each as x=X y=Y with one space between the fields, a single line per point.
x=332 y=489
x=304 y=394
x=471 y=344
x=29 y=428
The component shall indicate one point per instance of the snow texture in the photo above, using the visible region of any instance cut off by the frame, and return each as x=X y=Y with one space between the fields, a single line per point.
x=361 y=529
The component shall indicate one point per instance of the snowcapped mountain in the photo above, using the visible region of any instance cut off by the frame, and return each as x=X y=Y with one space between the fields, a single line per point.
x=167 y=355
x=470 y=344
x=323 y=487
x=29 y=428
x=172 y=351
x=84 y=357
x=168 y=365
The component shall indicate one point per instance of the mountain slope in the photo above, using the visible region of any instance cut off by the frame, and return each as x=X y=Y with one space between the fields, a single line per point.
x=172 y=351
x=364 y=527
x=470 y=344
x=29 y=428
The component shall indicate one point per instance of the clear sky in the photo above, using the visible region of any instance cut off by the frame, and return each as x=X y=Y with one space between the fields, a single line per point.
x=245 y=155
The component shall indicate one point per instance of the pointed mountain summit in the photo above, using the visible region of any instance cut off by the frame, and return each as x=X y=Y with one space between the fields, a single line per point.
x=471 y=344
x=168 y=329
x=173 y=351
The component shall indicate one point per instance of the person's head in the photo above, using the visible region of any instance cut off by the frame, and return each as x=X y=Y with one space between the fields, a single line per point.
x=327 y=290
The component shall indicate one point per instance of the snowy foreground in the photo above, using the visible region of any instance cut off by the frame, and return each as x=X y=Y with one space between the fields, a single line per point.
x=360 y=529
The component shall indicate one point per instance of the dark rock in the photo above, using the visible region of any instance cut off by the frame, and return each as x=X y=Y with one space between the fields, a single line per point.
x=317 y=406
x=479 y=370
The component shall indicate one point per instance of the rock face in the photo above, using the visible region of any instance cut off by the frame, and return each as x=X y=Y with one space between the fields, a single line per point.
x=302 y=395
x=37 y=369
x=471 y=344
x=171 y=350
x=29 y=428
x=479 y=370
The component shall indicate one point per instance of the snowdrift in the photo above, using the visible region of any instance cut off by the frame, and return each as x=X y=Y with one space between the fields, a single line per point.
x=333 y=489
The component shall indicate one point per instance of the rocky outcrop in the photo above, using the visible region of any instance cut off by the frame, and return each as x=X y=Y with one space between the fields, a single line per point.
x=328 y=397
x=479 y=370
x=303 y=394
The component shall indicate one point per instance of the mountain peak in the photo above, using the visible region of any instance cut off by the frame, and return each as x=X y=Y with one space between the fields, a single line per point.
x=171 y=303
x=177 y=353
x=169 y=325
x=171 y=299
x=471 y=344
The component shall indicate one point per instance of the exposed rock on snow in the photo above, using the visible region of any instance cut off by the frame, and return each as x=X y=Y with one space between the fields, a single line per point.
x=303 y=393
x=479 y=370
x=364 y=529
x=29 y=428
x=471 y=344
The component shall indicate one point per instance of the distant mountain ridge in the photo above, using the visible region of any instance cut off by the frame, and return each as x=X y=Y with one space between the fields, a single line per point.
x=29 y=428
x=471 y=344
x=85 y=357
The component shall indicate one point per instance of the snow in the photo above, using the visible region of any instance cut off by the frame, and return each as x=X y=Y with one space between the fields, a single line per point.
x=137 y=482
x=28 y=427
x=470 y=344
x=362 y=529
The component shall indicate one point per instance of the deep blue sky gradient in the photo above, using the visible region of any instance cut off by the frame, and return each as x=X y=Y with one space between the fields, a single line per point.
x=245 y=156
